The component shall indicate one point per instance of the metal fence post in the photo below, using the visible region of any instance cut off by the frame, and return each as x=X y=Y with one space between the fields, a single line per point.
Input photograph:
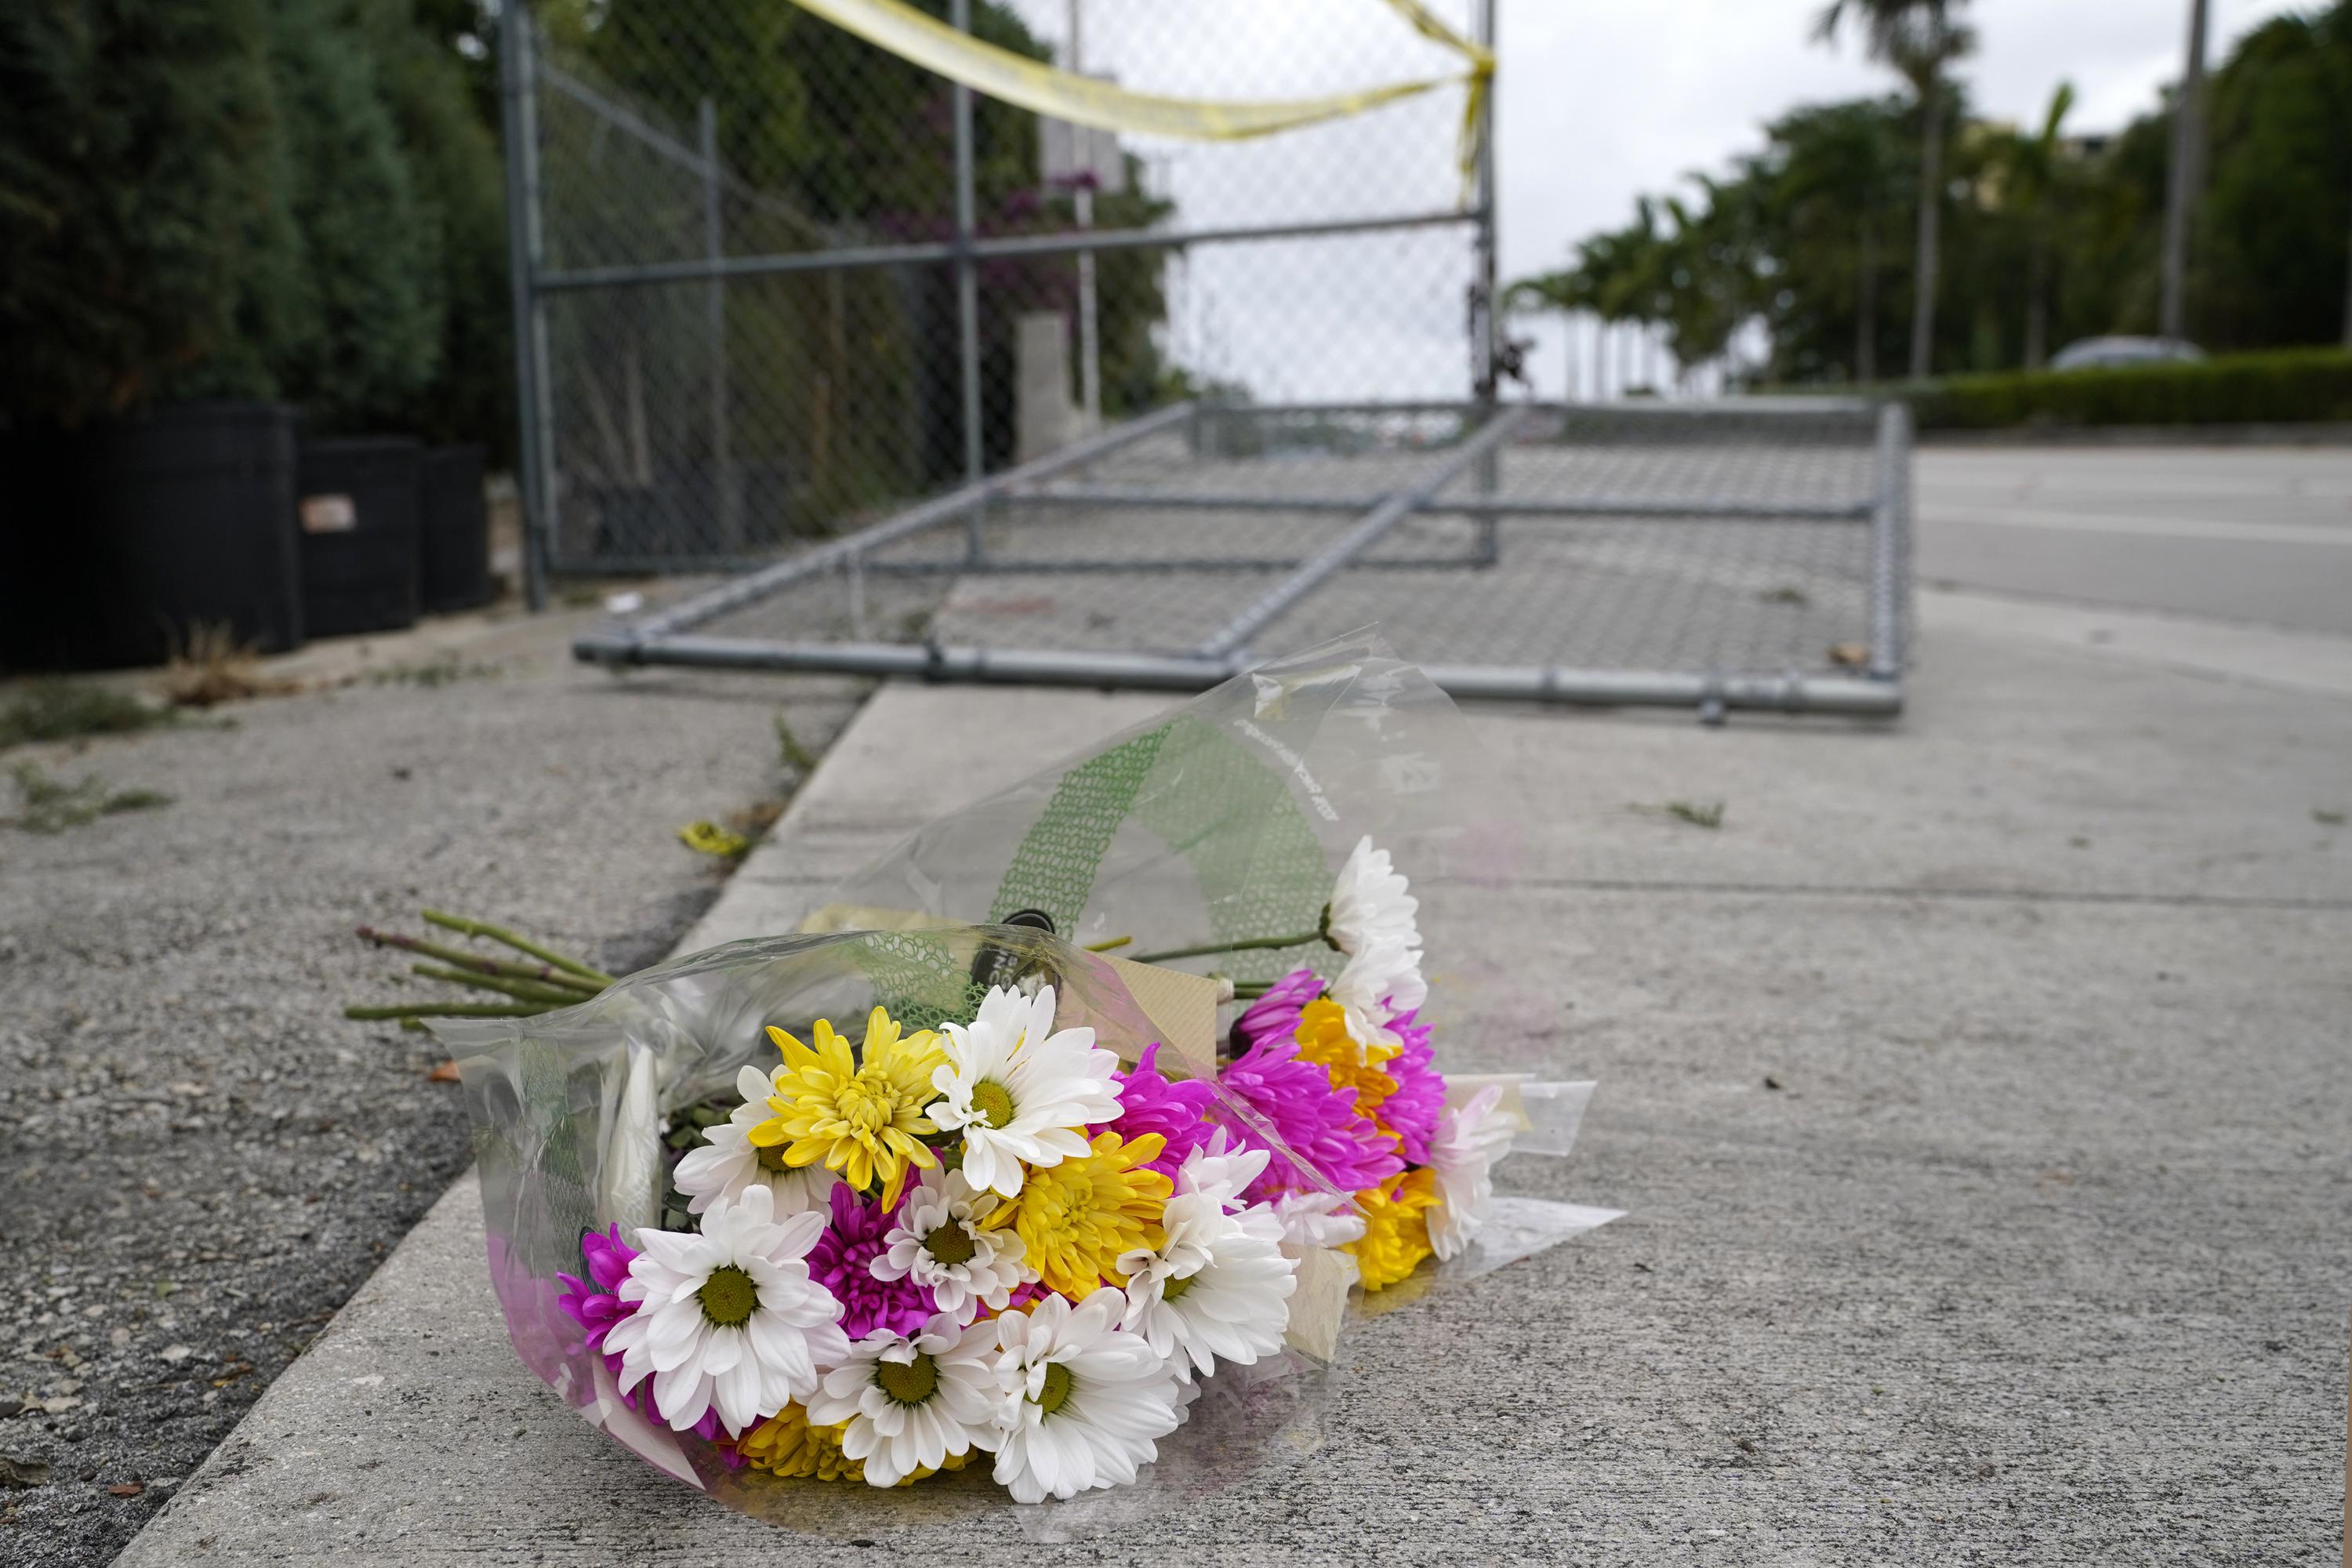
x=968 y=303
x=518 y=122
x=1082 y=201
x=1487 y=350
x=1890 y=541
x=714 y=305
x=967 y=269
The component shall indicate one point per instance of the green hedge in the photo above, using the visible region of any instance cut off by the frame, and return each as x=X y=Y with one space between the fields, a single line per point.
x=2281 y=386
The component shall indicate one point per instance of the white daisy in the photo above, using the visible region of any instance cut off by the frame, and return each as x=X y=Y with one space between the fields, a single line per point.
x=1085 y=1401
x=1370 y=903
x=1019 y=1091
x=940 y=1240
x=727 y=1317
x=1310 y=1220
x=1469 y=1141
x=729 y=1163
x=1219 y=1287
x=1218 y=1171
x=913 y=1401
x=1371 y=921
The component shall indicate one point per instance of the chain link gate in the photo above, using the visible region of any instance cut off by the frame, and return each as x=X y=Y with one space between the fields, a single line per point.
x=770 y=279
x=1741 y=555
x=1188 y=402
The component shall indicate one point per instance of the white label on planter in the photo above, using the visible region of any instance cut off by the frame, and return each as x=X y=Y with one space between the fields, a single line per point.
x=329 y=514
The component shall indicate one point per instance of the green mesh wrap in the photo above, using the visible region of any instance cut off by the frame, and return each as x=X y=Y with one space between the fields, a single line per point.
x=917 y=978
x=1054 y=870
x=1232 y=818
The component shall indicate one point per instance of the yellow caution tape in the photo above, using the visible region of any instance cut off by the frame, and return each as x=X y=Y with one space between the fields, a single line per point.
x=919 y=40
x=1481 y=78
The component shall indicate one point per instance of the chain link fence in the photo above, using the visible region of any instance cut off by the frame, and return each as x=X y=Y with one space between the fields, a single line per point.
x=1174 y=405
x=1740 y=555
x=772 y=279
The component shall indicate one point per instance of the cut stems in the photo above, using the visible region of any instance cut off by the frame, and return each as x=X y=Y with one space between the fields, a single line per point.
x=1250 y=944
x=506 y=969
x=448 y=1010
x=467 y=926
x=520 y=990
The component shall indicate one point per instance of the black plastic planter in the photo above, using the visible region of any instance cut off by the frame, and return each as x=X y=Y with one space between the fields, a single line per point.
x=122 y=538
x=454 y=552
x=359 y=511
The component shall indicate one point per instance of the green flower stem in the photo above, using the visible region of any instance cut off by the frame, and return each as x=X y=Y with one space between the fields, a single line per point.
x=539 y=974
x=520 y=990
x=449 y=1010
x=1111 y=946
x=520 y=945
x=1252 y=944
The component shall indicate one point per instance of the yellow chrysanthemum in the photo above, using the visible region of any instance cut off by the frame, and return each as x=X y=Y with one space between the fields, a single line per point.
x=787 y=1444
x=1323 y=1039
x=862 y=1116
x=1396 y=1227
x=1076 y=1218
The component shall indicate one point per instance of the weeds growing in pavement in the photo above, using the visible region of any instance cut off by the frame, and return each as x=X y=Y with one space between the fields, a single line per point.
x=796 y=756
x=53 y=804
x=72 y=710
x=213 y=667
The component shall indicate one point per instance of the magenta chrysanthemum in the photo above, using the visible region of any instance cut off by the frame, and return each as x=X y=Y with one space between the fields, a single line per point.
x=1148 y=1103
x=592 y=1303
x=1412 y=1112
x=841 y=1261
x=1318 y=1122
x=1275 y=1016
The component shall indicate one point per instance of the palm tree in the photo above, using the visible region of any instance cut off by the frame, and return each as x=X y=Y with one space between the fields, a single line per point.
x=1832 y=179
x=1706 y=283
x=1614 y=278
x=2181 y=178
x=1919 y=39
x=1564 y=292
x=2032 y=169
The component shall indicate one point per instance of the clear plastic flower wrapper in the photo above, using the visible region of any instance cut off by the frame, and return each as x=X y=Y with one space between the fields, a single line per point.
x=1048 y=1156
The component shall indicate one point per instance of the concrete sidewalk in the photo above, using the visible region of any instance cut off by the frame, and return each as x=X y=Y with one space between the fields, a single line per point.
x=1978 y=1090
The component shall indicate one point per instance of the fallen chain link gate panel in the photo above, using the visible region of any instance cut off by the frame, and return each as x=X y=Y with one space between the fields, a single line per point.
x=1744 y=554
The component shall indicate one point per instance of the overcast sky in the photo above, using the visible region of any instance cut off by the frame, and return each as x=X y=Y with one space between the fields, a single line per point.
x=1598 y=104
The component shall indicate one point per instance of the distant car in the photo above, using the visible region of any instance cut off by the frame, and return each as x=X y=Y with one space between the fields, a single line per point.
x=2104 y=354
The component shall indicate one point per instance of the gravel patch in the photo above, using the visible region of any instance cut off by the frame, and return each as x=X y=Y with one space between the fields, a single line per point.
x=203 y=1159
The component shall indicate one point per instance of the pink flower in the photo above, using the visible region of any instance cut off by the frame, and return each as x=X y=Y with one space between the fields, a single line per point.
x=1150 y=1103
x=841 y=1261
x=1275 y=1016
x=1412 y=1112
x=598 y=1308
x=593 y=1306
x=1318 y=1121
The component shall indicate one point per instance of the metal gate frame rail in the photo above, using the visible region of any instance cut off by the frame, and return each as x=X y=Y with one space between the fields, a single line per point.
x=667 y=637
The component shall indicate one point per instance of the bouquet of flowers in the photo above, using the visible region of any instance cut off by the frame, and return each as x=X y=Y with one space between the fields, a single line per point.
x=897 y=1196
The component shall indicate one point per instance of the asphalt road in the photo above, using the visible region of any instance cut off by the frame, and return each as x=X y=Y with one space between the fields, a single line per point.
x=2238 y=533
